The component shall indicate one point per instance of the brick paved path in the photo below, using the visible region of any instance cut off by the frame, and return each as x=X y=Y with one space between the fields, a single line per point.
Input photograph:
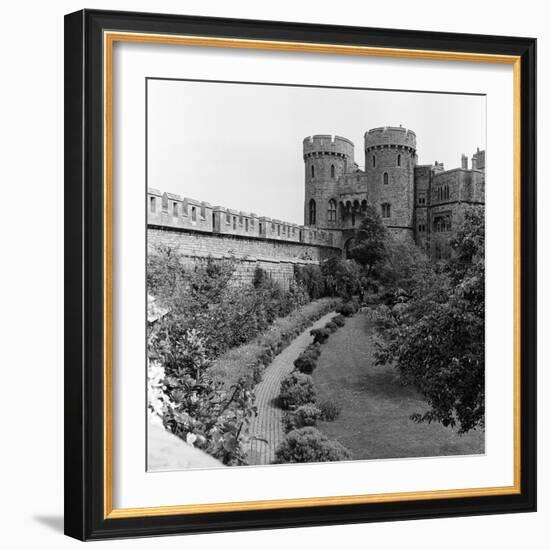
x=267 y=425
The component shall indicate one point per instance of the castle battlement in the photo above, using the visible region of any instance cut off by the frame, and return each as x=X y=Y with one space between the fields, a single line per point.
x=173 y=211
x=390 y=136
x=326 y=144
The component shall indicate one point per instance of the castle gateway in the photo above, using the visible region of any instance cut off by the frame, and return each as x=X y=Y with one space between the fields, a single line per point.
x=419 y=203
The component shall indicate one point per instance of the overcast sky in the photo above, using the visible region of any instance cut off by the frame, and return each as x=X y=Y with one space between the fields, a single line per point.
x=240 y=145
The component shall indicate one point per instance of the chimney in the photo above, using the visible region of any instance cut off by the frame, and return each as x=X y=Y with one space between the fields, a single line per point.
x=464 y=162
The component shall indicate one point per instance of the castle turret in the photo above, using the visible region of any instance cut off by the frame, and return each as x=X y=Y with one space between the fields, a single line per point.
x=390 y=158
x=326 y=158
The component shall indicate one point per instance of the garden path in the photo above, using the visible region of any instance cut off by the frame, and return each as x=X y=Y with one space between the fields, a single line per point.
x=267 y=426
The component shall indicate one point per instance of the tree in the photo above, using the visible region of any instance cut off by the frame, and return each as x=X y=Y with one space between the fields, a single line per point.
x=369 y=245
x=437 y=339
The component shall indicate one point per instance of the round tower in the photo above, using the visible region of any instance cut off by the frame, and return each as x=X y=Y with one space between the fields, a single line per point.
x=326 y=158
x=390 y=158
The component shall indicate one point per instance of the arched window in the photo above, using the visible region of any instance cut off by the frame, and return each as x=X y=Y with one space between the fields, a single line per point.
x=312 y=171
x=386 y=210
x=331 y=210
x=332 y=171
x=386 y=178
x=398 y=160
x=363 y=205
x=312 y=212
x=153 y=204
x=373 y=161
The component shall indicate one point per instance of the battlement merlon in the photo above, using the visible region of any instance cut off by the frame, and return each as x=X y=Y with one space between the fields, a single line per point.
x=176 y=212
x=390 y=136
x=328 y=144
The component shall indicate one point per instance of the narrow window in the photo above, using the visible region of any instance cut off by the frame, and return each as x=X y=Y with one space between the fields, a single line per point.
x=261 y=227
x=386 y=178
x=398 y=160
x=228 y=218
x=312 y=171
x=175 y=210
x=278 y=230
x=312 y=212
x=153 y=204
x=373 y=161
x=332 y=171
x=246 y=224
x=331 y=210
x=386 y=210
x=353 y=219
x=234 y=222
x=193 y=214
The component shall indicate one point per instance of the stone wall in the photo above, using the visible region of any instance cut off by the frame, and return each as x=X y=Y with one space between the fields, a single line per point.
x=277 y=258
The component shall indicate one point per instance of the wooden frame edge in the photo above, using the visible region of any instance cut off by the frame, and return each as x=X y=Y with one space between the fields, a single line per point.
x=109 y=38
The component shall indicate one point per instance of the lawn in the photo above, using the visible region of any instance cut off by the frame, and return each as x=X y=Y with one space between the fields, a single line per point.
x=376 y=408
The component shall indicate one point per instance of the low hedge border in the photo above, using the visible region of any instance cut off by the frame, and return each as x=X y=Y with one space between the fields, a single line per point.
x=299 y=399
x=248 y=362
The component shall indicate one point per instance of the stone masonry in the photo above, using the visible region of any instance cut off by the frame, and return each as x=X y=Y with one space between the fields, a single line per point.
x=419 y=203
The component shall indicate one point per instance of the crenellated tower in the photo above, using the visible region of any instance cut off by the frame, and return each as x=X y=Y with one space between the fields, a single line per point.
x=326 y=159
x=390 y=158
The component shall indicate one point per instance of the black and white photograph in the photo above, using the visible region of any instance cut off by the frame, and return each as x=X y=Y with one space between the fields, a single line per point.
x=315 y=274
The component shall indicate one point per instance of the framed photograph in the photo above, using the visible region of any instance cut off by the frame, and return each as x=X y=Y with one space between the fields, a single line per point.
x=300 y=274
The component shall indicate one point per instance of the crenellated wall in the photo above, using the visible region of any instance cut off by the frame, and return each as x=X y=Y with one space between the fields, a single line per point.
x=200 y=231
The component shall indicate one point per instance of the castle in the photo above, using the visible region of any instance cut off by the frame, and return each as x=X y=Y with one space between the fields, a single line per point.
x=418 y=203
x=421 y=203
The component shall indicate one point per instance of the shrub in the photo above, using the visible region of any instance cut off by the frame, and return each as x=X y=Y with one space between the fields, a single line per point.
x=306 y=415
x=331 y=327
x=329 y=410
x=311 y=279
x=314 y=349
x=296 y=389
x=339 y=320
x=194 y=407
x=306 y=362
x=347 y=309
x=309 y=445
x=320 y=335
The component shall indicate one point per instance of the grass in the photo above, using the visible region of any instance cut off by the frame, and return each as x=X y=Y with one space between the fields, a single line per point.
x=249 y=360
x=374 y=422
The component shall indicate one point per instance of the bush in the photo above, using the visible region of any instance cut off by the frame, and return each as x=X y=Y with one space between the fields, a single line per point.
x=347 y=309
x=320 y=335
x=329 y=410
x=331 y=327
x=306 y=415
x=296 y=389
x=339 y=320
x=311 y=279
x=309 y=445
x=194 y=407
x=306 y=361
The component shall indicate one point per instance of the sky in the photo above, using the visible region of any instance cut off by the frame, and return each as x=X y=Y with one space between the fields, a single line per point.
x=240 y=145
